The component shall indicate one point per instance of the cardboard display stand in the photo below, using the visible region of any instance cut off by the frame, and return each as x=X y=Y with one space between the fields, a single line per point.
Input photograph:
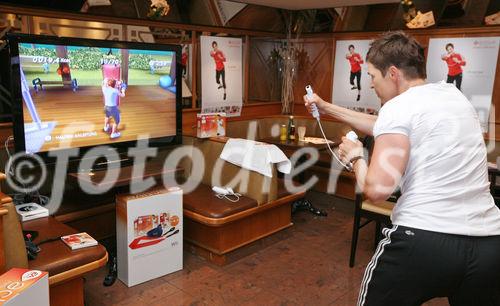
x=19 y=287
x=149 y=234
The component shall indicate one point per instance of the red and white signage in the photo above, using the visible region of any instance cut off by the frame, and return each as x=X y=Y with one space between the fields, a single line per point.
x=24 y=287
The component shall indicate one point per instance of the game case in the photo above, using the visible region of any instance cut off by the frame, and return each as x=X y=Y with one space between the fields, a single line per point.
x=78 y=241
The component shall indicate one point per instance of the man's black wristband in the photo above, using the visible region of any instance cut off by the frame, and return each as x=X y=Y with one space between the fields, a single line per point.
x=355 y=159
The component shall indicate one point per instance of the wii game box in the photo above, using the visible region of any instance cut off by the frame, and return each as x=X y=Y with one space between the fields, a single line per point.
x=211 y=125
x=79 y=241
x=149 y=231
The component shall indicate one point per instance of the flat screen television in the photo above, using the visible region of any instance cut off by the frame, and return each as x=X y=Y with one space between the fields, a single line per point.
x=80 y=93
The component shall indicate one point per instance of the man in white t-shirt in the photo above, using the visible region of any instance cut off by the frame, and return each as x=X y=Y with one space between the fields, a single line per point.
x=445 y=239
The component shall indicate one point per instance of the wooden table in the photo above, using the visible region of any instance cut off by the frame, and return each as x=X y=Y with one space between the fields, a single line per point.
x=289 y=148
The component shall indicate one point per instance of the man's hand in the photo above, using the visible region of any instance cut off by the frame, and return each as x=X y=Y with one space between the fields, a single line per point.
x=320 y=103
x=349 y=149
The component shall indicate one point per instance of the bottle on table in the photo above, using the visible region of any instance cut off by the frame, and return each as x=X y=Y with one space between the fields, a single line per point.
x=290 y=123
x=283 y=133
x=292 y=132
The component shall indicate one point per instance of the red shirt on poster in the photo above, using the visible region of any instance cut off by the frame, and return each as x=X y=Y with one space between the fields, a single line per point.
x=219 y=59
x=355 y=60
x=454 y=62
x=184 y=59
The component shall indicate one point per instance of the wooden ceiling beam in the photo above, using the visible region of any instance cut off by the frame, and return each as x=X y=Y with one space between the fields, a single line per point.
x=130 y=21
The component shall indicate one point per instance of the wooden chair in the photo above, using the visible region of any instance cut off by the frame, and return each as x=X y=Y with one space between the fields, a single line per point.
x=493 y=173
x=12 y=248
x=380 y=213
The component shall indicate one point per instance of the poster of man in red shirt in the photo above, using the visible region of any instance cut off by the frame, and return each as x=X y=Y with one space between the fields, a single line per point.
x=225 y=54
x=220 y=72
x=184 y=60
x=455 y=62
x=355 y=60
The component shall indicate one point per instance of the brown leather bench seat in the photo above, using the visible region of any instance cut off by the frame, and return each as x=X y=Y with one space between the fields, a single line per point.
x=203 y=201
x=214 y=228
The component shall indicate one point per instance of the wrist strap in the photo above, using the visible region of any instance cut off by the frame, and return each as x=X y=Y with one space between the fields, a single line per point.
x=355 y=159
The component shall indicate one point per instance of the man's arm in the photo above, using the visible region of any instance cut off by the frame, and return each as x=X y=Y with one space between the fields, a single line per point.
x=388 y=163
x=360 y=121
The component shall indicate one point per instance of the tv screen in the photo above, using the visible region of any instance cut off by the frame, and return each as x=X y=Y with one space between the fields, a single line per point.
x=83 y=93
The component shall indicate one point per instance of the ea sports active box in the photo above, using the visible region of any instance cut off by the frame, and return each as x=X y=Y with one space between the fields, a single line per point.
x=149 y=234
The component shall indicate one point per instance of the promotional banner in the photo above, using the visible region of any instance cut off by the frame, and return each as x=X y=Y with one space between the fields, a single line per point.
x=221 y=75
x=469 y=64
x=351 y=83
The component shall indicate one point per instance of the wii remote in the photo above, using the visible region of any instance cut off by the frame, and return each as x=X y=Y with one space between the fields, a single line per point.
x=314 y=108
x=221 y=190
x=352 y=136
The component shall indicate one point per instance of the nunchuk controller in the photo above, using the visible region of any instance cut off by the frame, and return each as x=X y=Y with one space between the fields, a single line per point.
x=314 y=108
x=351 y=136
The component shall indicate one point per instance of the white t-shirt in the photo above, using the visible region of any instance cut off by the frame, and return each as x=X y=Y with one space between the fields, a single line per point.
x=445 y=185
x=110 y=96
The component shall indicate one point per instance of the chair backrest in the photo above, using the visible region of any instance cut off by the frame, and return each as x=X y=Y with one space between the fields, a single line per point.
x=12 y=248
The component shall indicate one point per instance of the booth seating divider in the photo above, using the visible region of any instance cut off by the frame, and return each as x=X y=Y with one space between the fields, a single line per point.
x=267 y=127
x=213 y=227
x=66 y=267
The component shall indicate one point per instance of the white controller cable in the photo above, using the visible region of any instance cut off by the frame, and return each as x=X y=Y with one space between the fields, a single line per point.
x=225 y=193
x=348 y=167
x=315 y=113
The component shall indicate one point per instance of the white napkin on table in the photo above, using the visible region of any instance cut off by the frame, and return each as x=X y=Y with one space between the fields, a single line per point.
x=255 y=156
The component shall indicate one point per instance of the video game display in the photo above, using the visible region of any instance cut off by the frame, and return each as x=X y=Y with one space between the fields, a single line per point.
x=87 y=96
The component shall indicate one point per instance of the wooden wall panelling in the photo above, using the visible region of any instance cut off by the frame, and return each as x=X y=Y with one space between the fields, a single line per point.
x=258 y=17
x=194 y=68
x=132 y=21
x=246 y=67
x=263 y=76
x=315 y=68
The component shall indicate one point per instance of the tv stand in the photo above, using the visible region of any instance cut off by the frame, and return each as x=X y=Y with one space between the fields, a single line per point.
x=126 y=175
x=111 y=164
